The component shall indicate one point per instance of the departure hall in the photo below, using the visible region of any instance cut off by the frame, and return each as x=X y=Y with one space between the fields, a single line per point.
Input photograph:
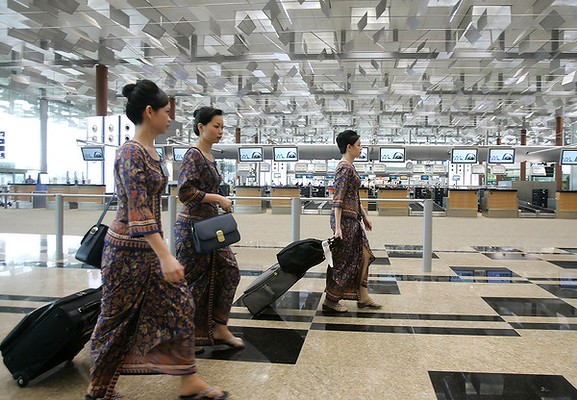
x=468 y=168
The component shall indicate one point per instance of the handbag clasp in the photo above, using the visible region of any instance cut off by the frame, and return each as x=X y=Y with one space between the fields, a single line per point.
x=220 y=236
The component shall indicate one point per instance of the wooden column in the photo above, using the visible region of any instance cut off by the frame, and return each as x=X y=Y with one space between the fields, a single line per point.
x=101 y=90
x=237 y=135
x=558 y=142
x=523 y=172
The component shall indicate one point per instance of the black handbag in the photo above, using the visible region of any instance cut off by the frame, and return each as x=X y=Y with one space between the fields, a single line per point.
x=214 y=233
x=91 y=245
x=302 y=255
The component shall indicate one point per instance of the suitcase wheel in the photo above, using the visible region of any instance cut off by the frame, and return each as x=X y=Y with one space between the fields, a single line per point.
x=22 y=379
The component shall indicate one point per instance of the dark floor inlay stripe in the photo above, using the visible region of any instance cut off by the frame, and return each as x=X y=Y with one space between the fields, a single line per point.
x=565 y=264
x=269 y=345
x=293 y=300
x=422 y=317
x=270 y=315
x=418 y=330
x=17 y=297
x=543 y=326
x=497 y=386
x=496 y=249
x=16 y=310
x=566 y=289
x=511 y=256
x=531 y=307
x=408 y=254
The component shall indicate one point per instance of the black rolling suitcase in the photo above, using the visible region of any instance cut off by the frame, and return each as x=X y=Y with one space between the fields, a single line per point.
x=293 y=262
x=50 y=335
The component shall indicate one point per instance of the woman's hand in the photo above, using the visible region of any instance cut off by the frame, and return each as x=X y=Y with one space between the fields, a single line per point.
x=172 y=270
x=338 y=232
x=225 y=203
x=368 y=224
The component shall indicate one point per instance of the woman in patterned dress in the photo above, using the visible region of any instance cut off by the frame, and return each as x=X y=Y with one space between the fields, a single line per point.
x=145 y=324
x=212 y=277
x=348 y=277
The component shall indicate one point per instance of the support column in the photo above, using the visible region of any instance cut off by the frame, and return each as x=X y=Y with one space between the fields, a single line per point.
x=498 y=177
x=237 y=135
x=101 y=90
x=558 y=142
x=523 y=172
x=43 y=131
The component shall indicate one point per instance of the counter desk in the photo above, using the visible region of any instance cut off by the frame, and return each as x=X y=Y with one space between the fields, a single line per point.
x=500 y=203
x=463 y=203
x=398 y=208
x=248 y=206
x=283 y=206
x=64 y=189
x=566 y=201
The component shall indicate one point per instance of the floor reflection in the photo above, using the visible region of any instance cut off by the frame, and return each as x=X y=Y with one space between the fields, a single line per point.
x=494 y=386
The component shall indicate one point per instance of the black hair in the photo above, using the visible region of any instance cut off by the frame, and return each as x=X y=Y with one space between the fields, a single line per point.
x=141 y=94
x=204 y=115
x=345 y=138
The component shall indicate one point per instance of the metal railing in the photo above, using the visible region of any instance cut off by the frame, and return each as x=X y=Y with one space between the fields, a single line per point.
x=296 y=211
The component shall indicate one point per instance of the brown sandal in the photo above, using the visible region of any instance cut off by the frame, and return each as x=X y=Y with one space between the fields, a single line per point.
x=204 y=395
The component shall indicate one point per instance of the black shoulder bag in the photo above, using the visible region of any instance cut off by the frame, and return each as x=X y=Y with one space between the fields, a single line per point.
x=91 y=245
x=215 y=232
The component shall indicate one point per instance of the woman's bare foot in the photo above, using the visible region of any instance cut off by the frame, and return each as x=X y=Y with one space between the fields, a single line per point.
x=191 y=385
x=223 y=336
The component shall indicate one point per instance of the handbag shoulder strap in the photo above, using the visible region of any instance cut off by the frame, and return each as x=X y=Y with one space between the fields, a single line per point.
x=106 y=209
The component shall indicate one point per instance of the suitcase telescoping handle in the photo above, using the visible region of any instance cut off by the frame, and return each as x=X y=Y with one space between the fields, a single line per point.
x=88 y=307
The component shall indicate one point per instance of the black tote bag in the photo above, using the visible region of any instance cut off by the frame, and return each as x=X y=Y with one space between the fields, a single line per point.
x=92 y=244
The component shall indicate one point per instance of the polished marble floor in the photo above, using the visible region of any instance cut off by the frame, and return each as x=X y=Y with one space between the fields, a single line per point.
x=496 y=318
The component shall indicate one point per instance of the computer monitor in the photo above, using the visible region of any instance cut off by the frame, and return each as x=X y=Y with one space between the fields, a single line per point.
x=250 y=154
x=464 y=156
x=159 y=151
x=285 y=154
x=499 y=155
x=178 y=153
x=392 y=154
x=93 y=153
x=364 y=156
x=569 y=157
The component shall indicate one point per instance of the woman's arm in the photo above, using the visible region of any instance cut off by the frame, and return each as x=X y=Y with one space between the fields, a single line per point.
x=172 y=270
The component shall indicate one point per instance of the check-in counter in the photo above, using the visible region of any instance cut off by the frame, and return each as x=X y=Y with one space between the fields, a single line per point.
x=566 y=201
x=60 y=189
x=396 y=207
x=76 y=201
x=283 y=206
x=463 y=203
x=21 y=188
x=500 y=203
x=248 y=206
x=364 y=194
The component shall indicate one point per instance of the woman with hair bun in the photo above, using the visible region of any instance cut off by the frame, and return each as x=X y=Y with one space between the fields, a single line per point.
x=145 y=324
x=212 y=277
x=348 y=278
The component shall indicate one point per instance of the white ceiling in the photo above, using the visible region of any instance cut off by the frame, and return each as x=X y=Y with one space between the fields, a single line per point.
x=424 y=71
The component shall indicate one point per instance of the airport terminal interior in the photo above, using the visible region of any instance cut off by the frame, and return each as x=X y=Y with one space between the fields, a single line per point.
x=468 y=122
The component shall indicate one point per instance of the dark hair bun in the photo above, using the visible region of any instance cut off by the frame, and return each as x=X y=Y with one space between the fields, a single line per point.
x=128 y=89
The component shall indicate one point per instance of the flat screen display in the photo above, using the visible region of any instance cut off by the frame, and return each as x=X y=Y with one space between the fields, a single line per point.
x=178 y=153
x=568 y=157
x=501 y=156
x=464 y=156
x=159 y=151
x=250 y=154
x=391 y=154
x=93 y=153
x=364 y=156
x=285 y=154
